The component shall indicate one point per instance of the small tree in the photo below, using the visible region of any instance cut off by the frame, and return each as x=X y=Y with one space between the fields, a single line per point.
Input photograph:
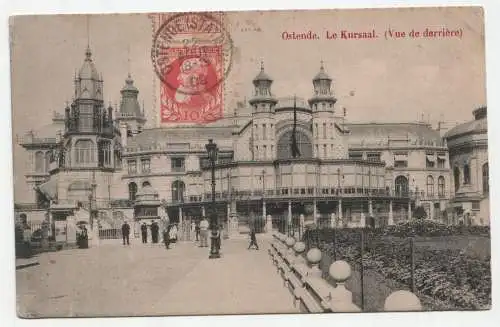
x=420 y=213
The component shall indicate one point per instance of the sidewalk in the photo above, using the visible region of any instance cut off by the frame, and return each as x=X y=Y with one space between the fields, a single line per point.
x=240 y=282
x=146 y=279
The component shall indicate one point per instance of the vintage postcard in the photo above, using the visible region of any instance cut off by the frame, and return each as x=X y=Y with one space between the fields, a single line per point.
x=305 y=161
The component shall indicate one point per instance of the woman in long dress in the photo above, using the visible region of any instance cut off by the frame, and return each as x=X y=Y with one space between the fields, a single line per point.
x=173 y=233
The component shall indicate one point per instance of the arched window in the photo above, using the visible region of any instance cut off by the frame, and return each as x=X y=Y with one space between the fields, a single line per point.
x=303 y=143
x=178 y=191
x=466 y=174
x=456 y=178
x=146 y=183
x=401 y=184
x=441 y=185
x=39 y=162
x=430 y=186
x=84 y=152
x=132 y=191
x=486 y=180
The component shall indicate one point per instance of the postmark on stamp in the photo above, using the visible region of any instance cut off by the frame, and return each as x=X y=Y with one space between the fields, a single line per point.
x=191 y=55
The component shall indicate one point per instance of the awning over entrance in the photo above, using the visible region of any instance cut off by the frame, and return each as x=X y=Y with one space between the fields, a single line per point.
x=48 y=189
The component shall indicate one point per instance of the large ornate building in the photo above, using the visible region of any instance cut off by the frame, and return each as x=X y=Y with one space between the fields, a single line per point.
x=101 y=163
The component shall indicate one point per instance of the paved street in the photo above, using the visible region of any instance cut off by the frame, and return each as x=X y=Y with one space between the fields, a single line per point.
x=114 y=280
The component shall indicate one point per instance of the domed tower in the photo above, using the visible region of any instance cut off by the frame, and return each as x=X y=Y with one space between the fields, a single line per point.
x=89 y=131
x=263 y=130
x=130 y=117
x=328 y=140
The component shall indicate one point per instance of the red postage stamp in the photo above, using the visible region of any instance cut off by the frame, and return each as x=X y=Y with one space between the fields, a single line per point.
x=192 y=91
x=191 y=56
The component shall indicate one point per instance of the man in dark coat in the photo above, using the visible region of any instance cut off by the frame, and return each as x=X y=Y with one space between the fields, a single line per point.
x=126 y=233
x=154 y=232
x=253 y=240
x=144 y=232
x=197 y=230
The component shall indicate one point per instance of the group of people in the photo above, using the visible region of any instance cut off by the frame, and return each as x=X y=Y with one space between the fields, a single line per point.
x=201 y=230
x=169 y=233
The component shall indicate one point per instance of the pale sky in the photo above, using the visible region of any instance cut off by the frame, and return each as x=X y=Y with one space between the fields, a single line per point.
x=393 y=80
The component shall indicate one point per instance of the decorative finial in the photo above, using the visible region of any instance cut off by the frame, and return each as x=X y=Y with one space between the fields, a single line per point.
x=128 y=60
x=322 y=68
x=262 y=65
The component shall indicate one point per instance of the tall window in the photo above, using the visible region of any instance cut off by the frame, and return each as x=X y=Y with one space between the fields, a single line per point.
x=132 y=167
x=303 y=142
x=466 y=174
x=401 y=184
x=178 y=191
x=86 y=118
x=324 y=130
x=264 y=132
x=39 y=162
x=441 y=184
x=48 y=157
x=486 y=181
x=456 y=178
x=430 y=186
x=177 y=164
x=105 y=153
x=132 y=191
x=84 y=152
x=146 y=165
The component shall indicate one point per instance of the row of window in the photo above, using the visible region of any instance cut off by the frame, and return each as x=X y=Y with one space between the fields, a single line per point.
x=85 y=153
x=262 y=133
x=402 y=185
x=324 y=130
x=178 y=190
x=466 y=180
x=430 y=186
x=401 y=160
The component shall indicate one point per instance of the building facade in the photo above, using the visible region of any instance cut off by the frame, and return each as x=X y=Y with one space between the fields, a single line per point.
x=101 y=164
x=468 y=144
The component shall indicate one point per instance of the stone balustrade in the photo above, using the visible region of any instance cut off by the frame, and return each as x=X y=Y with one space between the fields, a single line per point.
x=311 y=292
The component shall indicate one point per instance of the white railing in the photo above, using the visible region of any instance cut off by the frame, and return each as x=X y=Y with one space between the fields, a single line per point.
x=313 y=294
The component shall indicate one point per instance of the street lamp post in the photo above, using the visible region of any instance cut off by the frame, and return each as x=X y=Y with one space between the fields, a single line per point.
x=212 y=150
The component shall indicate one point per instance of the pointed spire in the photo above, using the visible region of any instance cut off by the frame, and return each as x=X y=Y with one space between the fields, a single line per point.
x=322 y=75
x=262 y=76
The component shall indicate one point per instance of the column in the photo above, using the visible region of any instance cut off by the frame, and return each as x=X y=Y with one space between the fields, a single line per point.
x=203 y=214
x=339 y=211
x=391 y=216
x=409 y=210
x=370 y=208
x=289 y=212
x=264 y=215
x=315 y=212
x=180 y=217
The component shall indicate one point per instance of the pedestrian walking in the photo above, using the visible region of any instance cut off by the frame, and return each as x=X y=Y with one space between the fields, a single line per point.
x=166 y=236
x=154 y=232
x=144 y=232
x=126 y=233
x=204 y=233
x=197 y=230
x=253 y=240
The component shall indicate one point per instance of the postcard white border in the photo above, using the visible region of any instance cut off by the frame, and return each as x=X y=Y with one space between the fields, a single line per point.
x=7 y=306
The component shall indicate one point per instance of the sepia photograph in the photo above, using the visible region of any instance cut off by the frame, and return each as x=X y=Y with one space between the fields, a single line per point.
x=250 y=162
